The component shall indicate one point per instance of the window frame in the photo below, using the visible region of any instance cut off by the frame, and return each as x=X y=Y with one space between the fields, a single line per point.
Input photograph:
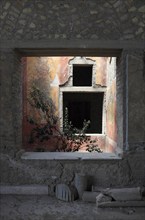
x=55 y=50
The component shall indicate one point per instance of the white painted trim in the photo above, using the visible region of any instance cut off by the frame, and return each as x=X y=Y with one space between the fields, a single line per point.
x=82 y=89
x=126 y=104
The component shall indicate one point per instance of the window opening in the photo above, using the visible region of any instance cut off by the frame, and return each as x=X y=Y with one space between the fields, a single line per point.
x=86 y=86
x=82 y=75
x=84 y=106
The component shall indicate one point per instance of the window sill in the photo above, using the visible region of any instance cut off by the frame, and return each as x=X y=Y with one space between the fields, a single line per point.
x=69 y=156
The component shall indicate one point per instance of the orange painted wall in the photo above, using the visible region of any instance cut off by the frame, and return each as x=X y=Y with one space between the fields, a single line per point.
x=48 y=73
x=111 y=123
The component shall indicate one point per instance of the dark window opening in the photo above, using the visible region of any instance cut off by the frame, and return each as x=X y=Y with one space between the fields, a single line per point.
x=82 y=75
x=84 y=106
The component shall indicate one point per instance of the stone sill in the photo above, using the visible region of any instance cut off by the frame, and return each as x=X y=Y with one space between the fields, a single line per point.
x=69 y=156
x=24 y=190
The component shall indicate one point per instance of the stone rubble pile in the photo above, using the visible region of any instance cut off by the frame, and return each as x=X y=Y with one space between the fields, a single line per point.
x=109 y=197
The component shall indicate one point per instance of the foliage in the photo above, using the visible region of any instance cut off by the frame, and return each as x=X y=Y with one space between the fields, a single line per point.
x=70 y=139
x=45 y=107
x=92 y=146
x=74 y=138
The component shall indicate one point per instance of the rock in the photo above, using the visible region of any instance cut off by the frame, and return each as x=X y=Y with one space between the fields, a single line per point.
x=90 y=196
x=81 y=183
x=139 y=31
x=142 y=9
x=32 y=25
x=20 y=31
x=24 y=190
x=102 y=198
x=27 y=10
x=125 y=194
x=132 y=9
x=135 y=20
x=93 y=12
x=22 y=22
x=40 y=5
x=7 y=5
x=66 y=193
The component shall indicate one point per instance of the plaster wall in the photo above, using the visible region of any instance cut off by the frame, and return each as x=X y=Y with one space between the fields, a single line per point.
x=111 y=116
x=50 y=74
x=37 y=25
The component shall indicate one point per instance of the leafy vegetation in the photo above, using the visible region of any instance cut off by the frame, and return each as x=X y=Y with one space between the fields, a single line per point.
x=70 y=139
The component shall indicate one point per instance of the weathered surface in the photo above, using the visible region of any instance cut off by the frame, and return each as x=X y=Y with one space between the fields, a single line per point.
x=85 y=19
x=29 y=22
x=122 y=204
x=125 y=194
x=24 y=190
x=105 y=174
x=47 y=208
x=90 y=196
x=66 y=193
x=43 y=207
x=102 y=198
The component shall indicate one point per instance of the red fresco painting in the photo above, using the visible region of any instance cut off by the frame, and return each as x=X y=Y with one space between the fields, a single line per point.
x=111 y=117
x=49 y=73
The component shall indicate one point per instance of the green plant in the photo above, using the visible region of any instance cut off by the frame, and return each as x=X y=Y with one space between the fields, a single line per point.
x=93 y=146
x=70 y=139
x=74 y=138
x=46 y=110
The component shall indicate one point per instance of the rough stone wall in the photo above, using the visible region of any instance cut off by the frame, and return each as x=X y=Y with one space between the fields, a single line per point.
x=112 y=19
x=120 y=173
x=136 y=96
x=11 y=101
x=22 y=22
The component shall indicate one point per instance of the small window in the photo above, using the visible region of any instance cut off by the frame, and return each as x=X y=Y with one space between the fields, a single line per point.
x=84 y=106
x=82 y=75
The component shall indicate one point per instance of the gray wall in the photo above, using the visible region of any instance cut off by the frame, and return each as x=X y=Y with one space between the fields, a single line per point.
x=36 y=27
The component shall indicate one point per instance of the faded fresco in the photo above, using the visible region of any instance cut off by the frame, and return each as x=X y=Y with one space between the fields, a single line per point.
x=48 y=73
x=111 y=129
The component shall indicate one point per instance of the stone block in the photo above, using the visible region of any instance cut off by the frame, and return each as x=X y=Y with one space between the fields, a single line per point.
x=25 y=190
x=90 y=196
x=66 y=193
x=102 y=198
x=81 y=183
x=125 y=194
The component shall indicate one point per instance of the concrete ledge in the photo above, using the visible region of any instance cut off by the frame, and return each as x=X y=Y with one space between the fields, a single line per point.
x=69 y=156
x=71 y=44
x=25 y=190
x=122 y=204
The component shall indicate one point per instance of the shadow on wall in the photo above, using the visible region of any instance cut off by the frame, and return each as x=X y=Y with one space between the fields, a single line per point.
x=48 y=74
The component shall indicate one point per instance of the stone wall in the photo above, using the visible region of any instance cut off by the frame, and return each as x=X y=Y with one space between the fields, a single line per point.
x=73 y=25
x=105 y=173
x=114 y=19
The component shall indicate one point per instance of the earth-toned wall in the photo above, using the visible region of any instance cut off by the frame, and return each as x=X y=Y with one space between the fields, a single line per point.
x=75 y=25
x=48 y=74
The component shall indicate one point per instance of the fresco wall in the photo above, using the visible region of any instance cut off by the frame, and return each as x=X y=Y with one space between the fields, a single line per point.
x=111 y=124
x=48 y=73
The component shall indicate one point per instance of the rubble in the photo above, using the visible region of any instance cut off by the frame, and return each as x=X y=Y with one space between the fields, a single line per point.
x=90 y=196
x=125 y=194
x=66 y=193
